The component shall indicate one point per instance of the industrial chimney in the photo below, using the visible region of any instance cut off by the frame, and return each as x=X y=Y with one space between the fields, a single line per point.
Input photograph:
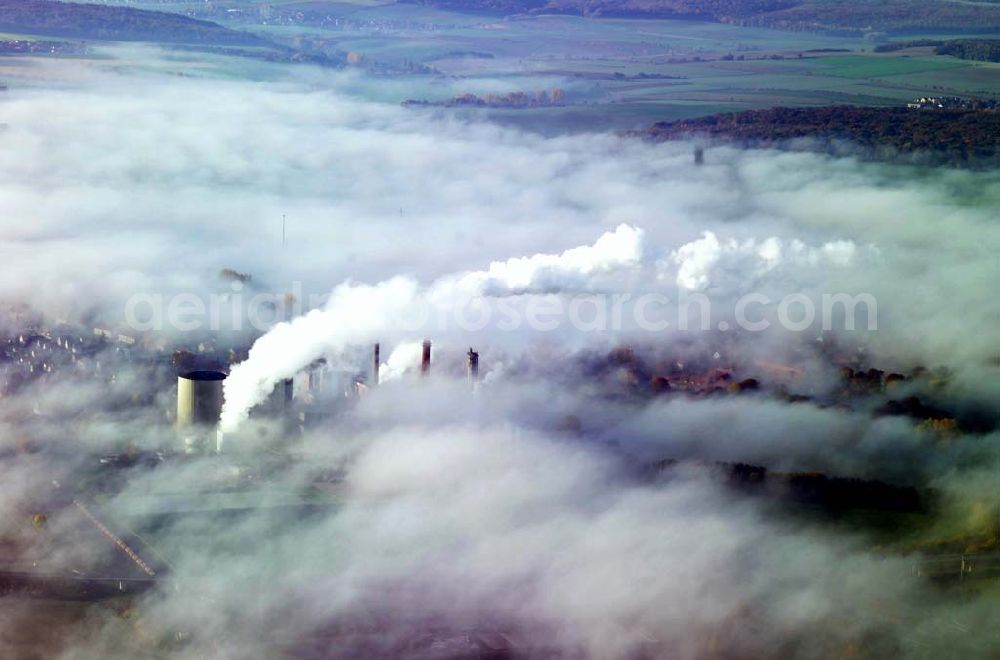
x=199 y=398
x=375 y=365
x=699 y=156
x=425 y=358
x=473 y=365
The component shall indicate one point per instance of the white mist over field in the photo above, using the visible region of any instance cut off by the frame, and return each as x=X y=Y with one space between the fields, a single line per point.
x=516 y=505
x=152 y=184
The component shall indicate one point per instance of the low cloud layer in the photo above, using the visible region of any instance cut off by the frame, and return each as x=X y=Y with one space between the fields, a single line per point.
x=152 y=184
x=523 y=506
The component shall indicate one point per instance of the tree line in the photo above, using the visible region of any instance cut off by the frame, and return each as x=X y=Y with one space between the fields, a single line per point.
x=954 y=137
x=982 y=50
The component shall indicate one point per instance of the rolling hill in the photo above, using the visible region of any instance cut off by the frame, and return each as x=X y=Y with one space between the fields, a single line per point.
x=835 y=15
x=102 y=22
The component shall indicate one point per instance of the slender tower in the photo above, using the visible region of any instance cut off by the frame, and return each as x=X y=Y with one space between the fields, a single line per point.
x=425 y=358
x=473 y=366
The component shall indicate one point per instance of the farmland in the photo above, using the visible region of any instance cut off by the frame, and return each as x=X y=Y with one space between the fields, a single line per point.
x=625 y=73
x=616 y=73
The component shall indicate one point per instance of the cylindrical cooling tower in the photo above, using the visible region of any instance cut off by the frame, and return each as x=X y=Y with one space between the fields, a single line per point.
x=199 y=398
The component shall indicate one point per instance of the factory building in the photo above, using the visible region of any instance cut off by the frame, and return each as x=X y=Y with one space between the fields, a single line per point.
x=279 y=403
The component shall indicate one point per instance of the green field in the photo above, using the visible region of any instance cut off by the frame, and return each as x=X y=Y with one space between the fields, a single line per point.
x=599 y=62
x=881 y=66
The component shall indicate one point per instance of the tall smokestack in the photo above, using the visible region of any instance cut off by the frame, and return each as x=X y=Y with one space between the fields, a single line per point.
x=473 y=365
x=699 y=156
x=375 y=364
x=425 y=358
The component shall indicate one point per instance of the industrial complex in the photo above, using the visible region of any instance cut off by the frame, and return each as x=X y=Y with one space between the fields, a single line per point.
x=83 y=537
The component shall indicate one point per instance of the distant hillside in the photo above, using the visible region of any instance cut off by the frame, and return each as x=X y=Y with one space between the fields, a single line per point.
x=982 y=50
x=958 y=137
x=835 y=15
x=85 y=21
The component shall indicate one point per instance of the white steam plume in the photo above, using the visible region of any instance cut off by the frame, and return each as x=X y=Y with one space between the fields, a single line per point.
x=621 y=248
x=697 y=262
x=403 y=358
x=357 y=313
